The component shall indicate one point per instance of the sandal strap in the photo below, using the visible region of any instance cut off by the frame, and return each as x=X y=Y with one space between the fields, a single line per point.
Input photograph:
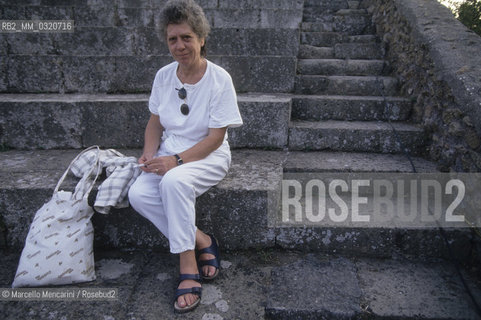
x=209 y=250
x=212 y=249
x=194 y=290
x=211 y=262
x=187 y=276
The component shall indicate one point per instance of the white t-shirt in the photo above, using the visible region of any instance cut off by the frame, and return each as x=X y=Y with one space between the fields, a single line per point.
x=212 y=104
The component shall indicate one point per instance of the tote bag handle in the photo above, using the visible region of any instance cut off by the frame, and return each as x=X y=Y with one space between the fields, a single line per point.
x=82 y=181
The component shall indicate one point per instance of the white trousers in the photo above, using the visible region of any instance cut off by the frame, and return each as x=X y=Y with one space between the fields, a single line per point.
x=169 y=201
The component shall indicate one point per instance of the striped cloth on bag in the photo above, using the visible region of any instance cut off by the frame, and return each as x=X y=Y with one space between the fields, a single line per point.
x=121 y=173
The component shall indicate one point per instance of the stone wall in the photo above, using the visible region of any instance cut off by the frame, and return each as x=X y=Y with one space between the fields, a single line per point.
x=115 y=47
x=437 y=60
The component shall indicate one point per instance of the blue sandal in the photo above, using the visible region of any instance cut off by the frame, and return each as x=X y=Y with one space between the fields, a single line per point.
x=194 y=290
x=214 y=250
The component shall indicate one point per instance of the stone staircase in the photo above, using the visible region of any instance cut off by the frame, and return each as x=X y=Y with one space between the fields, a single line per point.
x=345 y=87
x=324 y=103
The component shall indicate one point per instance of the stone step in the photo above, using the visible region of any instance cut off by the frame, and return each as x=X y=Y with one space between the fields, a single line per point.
x=352 y=12
x=352 y=25
x=329 y=39
x=364 y=51
x=141 y=41
x=342 y=67
x=238 y=205
x=158 y=4
x=319 y=7
x=87 y=74
x=346 y=85
x=273 y=16
x=254 y=14
x=115 y=48
x=356 y=136
x=242 y=211
x=358 y=51
x=50 y=121
x=368 y=288
x=133 y=74
x=313 y=52
x=261 y=285
x=349 y=16
x=378 y=237
x=360 y=108
x=348 y=162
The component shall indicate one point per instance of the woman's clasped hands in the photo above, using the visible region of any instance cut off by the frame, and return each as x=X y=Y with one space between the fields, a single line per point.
x=159 y=165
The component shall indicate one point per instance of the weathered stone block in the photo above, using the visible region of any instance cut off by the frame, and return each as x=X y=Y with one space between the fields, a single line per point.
x=33 y=73
x=272 y=18
x=445 y=51
x=233 y=18
x=329 y=39
x=23 y=43
x=312 y=52
x=3 y=75
x=96 y=41
x=254 y=18
x=358 y=51
x=260 y=74
x=237 y=209
x=40 y=125
x=12 y=12
x=349 y=24
x=337 y=239
x=127 y=74
x=48 y=13
x=338 y=299
x=3 y=44
x=136 y=74
x=320 y=7
x=88 y=74
x=343 y=162
x=266 y=120
x=399 y=289
x=347 y=85
x=253 y=42
x=78 y=120
x=267 y=4
x=350 y=108
x=117 y=123
x=341 y=67
x=3 y=234
x=149 y=41
x=135 y=16
x=18 y=208
x=94 y=16
x=114 y=15
x=356 y=136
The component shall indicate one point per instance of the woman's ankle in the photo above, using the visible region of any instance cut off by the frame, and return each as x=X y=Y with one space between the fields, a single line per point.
x=188 y=263
x=203 y=240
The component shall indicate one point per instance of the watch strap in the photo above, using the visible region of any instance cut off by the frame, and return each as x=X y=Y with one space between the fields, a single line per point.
x=179 y=159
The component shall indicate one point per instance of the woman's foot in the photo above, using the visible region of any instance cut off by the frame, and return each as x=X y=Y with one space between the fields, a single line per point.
x=208 y=251
x=189 y=291
x=188 y=299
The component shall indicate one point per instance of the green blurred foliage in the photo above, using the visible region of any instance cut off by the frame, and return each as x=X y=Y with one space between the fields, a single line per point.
x=469 y=13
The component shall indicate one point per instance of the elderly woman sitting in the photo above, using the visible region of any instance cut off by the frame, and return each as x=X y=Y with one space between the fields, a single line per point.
x=186 y=152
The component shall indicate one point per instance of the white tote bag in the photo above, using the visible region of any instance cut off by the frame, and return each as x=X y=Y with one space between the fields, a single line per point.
x=59 y=245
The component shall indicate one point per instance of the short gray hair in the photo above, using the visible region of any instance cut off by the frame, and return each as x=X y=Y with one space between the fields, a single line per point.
x=179 y=11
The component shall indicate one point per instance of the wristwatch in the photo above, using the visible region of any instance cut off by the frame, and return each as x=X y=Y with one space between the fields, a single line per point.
x=179 y=159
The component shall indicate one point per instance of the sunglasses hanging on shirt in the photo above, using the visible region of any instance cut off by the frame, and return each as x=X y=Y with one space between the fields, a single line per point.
x=184 y=108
